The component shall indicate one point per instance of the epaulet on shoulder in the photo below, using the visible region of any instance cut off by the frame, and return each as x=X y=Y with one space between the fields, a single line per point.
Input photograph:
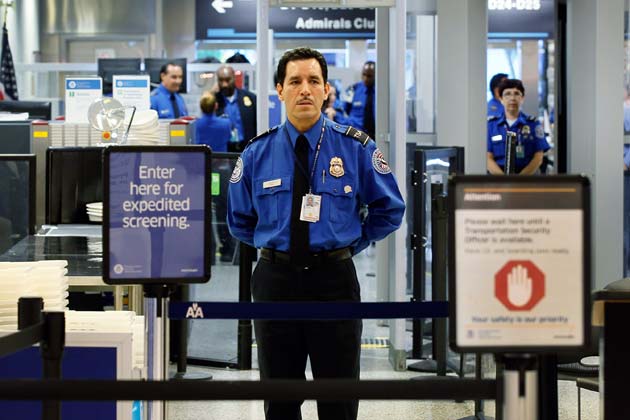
x=531 y=118
x=263 y=135
x=492 y=117
x=357 y=135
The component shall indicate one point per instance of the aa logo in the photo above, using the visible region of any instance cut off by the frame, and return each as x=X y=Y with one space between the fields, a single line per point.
x=194 y=311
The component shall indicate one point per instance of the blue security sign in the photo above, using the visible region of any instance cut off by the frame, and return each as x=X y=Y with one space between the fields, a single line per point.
x=156 y=215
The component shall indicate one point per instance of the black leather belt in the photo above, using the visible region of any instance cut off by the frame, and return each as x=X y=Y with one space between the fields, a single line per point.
x=316 y=258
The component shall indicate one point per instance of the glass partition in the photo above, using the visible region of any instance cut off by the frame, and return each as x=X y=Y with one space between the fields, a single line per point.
x=17 y=199
x=214 y=342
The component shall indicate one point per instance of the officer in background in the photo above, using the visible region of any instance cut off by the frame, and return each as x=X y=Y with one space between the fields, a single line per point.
x=216 y=132
x=530 y=137
x=333 y=109
x=495 y=107
x=165 y=99
x=239 y=105
x=360 y=107
x=210 y=129
x=306 y=250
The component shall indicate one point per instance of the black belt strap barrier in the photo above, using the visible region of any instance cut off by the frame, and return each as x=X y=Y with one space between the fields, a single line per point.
x=307 y=310
x=47 y=329
x=286 y=390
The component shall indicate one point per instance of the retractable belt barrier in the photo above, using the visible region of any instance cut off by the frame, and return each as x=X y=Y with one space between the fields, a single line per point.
x=307 y=310
x=277 y=389
x=53 y=391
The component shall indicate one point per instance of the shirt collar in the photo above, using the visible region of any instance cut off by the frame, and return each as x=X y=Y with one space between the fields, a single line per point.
x=522 y=119
x=312 y=134
x=163 y=89
x=234 y=96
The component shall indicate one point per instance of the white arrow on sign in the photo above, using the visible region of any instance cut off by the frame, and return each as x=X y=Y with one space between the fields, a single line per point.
x=221 y=5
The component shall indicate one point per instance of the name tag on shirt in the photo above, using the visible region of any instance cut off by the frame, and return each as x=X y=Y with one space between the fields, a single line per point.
x=498 y=137
x=311 y=204
x=272 y=183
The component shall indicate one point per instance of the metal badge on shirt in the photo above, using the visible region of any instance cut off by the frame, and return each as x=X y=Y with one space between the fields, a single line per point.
x=311 y=204
x=336 y=167
x=247 y=102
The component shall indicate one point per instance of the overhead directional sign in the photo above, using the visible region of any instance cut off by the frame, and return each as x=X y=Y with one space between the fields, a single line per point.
x=221 y=5
x=223 y=19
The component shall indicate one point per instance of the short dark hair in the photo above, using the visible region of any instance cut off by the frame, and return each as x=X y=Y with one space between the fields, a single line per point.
x=301 y=53
x=496 y=80
x=511 y=84
x=164 y=68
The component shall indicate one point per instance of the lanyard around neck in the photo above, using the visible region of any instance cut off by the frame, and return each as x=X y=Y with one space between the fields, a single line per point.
x=297 y=161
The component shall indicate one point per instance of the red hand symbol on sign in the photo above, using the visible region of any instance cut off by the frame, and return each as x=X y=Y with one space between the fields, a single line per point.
x=519 y=285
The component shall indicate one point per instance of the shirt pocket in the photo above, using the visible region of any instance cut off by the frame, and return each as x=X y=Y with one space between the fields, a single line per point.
x=271 y=199
x=340 y=199
x=498 y=148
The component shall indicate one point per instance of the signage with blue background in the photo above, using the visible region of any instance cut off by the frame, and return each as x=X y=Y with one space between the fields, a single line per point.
x=86 y=83
x=132 y=83
x=156 y=215
x=226 y=19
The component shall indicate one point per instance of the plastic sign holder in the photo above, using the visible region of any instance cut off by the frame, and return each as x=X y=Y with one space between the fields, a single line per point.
x=519 y=264
x=156 y=232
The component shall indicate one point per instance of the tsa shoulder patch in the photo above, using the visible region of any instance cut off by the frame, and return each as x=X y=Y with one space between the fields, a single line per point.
x=539 y=132
x=379 y=163
x=237 y=173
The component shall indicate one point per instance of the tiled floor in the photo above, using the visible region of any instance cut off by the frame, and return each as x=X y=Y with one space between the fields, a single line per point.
x=374 y=365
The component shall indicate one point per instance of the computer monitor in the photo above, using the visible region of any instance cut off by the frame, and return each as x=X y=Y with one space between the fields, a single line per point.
x=152 y=67
x=108 y=67
x=74 y=178
x=36 y=110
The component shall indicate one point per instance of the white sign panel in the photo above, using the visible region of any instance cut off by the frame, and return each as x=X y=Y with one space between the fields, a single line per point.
x=132 y=91
x=519 y=271
x=81 y=92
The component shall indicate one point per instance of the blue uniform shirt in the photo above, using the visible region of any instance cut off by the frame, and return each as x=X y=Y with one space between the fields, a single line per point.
x=356 y=108
x=213 y=131
x=233 y=111
x=495 y=108
x=530 y=138
x=260 y=193
x=161 y=102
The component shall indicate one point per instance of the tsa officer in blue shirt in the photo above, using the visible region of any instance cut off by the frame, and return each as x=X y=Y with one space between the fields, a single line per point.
x=210 y=129
x=495 y=107
x=216 y=132
x=295 y=193
x=165 y=99
x=530 y=137
x=360 y=108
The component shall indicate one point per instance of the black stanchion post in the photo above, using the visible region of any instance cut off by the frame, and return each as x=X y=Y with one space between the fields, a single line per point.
x=244 y=351
x=548 y=383
x=29 y=311
x=510 y=153
x=52 y=352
